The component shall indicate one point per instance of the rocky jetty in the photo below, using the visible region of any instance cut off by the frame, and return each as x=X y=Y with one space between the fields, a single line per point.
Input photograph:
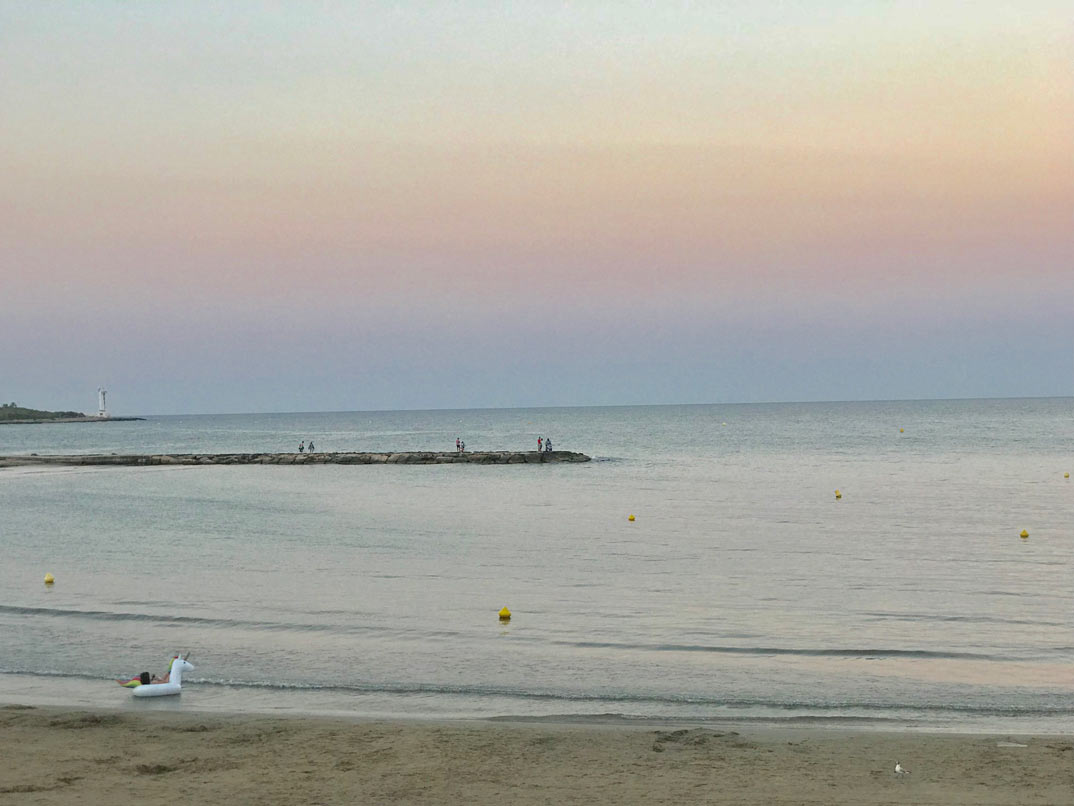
x=401 y=458
x=79 y=419
x=13 y=414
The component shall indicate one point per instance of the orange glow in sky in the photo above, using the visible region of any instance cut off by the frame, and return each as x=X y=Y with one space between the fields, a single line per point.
x=701 y=160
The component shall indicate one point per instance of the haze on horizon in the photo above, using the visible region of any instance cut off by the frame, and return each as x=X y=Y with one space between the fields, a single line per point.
x=299 y=208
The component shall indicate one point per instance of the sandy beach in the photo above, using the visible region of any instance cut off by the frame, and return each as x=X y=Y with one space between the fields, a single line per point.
x=57 y=756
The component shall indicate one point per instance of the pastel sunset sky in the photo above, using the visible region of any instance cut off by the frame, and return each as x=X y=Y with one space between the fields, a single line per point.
x=343 y=206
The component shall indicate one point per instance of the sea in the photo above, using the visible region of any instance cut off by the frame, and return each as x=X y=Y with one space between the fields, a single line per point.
x=743 y=589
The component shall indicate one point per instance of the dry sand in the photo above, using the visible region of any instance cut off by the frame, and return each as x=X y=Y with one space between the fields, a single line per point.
x=53 y=756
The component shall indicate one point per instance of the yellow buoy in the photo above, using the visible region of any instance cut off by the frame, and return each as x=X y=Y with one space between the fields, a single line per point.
x=505 y=614
x=630 y=517
x=900 y=430
x=1066 y=475
x=49 y=579
x=838 y=495
x=1024 y=534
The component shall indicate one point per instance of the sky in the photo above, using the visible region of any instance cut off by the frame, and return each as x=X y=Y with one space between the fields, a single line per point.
x=345 y=206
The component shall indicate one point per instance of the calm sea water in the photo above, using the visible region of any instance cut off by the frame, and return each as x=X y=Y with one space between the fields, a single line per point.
x=743 y=589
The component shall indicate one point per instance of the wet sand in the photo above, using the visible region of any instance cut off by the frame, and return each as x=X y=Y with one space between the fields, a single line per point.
x=60 y=756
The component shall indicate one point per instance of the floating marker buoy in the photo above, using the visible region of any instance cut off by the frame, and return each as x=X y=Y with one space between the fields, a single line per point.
x=1066 y=475
x=49 y=579
x=900 y=430
x=1024 y=534
x=630 y=517
x=505 y=614
x=838 y=495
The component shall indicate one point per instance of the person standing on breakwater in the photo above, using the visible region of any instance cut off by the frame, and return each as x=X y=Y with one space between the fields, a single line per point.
x=310 y=449
x=458 y=445
x=548 y=445
x=302 y=446
x=538 y=444
x=462 y=446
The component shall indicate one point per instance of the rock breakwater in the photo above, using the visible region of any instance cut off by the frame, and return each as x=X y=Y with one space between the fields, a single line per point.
x=82 y=418
x=400 y=458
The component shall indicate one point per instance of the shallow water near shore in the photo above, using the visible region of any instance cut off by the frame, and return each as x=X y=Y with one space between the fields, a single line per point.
x=742 y=590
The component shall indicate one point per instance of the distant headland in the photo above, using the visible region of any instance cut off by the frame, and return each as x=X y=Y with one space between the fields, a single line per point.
x=13 y=414
x=400 y=458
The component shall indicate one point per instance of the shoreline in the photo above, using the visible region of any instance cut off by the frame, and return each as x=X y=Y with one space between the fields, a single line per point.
x=337 y=458
x=52 y=691
x=222 y=700
x=95 y=756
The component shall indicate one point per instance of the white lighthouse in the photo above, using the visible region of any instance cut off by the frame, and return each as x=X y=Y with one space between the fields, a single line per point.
x=102 y=407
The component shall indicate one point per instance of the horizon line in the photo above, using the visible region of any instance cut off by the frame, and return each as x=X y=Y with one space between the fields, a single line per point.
x=602 y=406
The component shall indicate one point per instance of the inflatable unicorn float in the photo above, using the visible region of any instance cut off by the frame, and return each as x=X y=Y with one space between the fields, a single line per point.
x=172 y=683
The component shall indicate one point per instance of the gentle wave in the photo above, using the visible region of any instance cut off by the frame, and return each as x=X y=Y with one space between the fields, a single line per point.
x=823 y=652
x=915 y=617
x=864 y=653
x=483 y=692
x=106 y=615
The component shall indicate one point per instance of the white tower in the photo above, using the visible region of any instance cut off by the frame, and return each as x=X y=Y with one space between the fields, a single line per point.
x=102 y=408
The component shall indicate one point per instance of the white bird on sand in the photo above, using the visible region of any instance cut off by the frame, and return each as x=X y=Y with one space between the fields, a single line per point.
x=900 y=770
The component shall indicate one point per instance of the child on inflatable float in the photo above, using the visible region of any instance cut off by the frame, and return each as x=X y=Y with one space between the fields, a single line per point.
x=170 y=683
x=145 y=679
